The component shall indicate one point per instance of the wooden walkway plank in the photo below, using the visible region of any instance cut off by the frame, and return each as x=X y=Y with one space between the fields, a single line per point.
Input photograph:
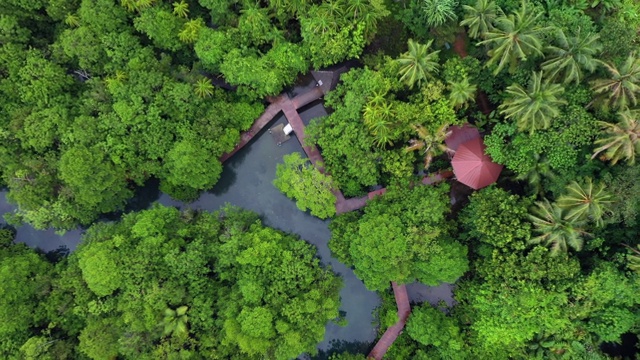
x=307 y=98
x=269 y=113
x=392 y=333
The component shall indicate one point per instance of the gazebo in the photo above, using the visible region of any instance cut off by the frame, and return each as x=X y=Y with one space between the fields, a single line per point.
x=461 y=134
x=473 y=167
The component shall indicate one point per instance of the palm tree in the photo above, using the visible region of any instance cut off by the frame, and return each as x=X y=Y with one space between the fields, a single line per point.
x=481 y=17
x=73 y=20
x=460 y=92
x=357 y=8
x=571 y=55
x=431 y=143
x=438 y=12
x=515 y=37
x=204 y=88
x=535 y=107
x=378 y=117
x=588 y=202
x=633 y=260
x=620 y=90
x=175 y=321
x=190 y=31
x=181 y=9
x=555 y=229
x=538 y=172
x=417 y=64
x=620 y=140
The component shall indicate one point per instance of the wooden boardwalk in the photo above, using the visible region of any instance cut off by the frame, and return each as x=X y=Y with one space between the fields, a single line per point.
x=290 y=109
x=269 y=113
x=392 y=333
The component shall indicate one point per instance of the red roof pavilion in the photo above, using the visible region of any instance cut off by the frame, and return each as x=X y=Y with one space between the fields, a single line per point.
x=473 y=167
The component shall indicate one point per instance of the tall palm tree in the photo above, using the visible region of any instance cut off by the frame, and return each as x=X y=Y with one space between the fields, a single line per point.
x=204 y=88
x=555 y=229
x=571 y=56
x=633 y=260
x=537 y=173
x=461 y=92
x=620 y=90
x=190 y=30
x=480 y=17
x=417 y=64
x=620 y=140
x=535 y=107
x=432 y=144
x=515 y=37
x=438 y=12
x=181 y=9
x=175 y=321
x=585 y=202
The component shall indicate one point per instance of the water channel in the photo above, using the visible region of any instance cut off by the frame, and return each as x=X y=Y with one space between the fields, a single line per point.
x=247 y=182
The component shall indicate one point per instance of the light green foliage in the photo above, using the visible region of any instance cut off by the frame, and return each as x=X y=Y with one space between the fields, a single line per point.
x=533 y=108
x=460 y=93
x=516 y=37
x=300 y=180
x=402 y=240
x=339 y=30
x=191 y=30
x=347 y=146
x=604 y=301
x=496 y=217
x=211 y=47
x=169 y=273
x=190 y=164
x=266 y=75
x=287 y=297
x=25 y=278
x=506 y=318
x=480 y=17
x=101 y=268
x=418 y=63
x=431 y=327
x=162 y=26
x=95 y=183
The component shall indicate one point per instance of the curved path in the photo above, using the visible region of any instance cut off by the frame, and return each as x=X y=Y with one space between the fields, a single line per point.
x=290 y=109
x=392 y=333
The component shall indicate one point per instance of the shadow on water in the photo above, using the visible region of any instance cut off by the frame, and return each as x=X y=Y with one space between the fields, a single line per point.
x=311 y=111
